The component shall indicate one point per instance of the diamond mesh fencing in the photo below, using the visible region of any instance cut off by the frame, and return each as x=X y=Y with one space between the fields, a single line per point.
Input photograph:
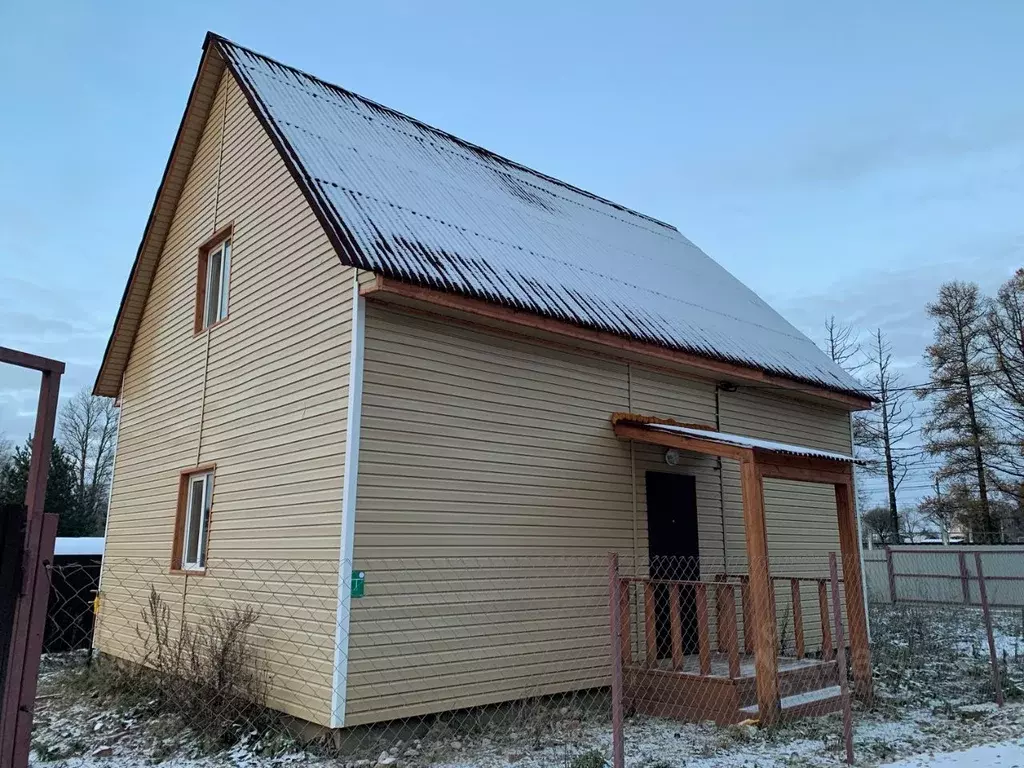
x=526 y=661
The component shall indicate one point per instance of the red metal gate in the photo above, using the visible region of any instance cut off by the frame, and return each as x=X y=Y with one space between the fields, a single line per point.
x=28 y=537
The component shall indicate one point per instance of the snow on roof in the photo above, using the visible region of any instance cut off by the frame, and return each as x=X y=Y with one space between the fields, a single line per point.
x=416 y=204
x=78 y=545
x=750 y=442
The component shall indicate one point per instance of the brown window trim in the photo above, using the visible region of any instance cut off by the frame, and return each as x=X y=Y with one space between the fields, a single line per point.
x=178 y=542
x=224 y=233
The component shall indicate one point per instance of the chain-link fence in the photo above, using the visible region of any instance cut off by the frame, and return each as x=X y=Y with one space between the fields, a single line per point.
x=528 y=660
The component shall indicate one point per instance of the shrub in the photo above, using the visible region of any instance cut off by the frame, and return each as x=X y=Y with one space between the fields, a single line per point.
x=592 y=758
x=209 y=675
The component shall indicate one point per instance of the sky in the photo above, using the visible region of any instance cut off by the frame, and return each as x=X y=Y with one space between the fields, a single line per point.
x=839 y=159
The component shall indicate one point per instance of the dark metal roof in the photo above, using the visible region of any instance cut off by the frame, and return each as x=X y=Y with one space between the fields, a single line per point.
x=417 y=204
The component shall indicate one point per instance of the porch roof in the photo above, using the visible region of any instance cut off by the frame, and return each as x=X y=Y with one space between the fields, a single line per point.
x=704 y=439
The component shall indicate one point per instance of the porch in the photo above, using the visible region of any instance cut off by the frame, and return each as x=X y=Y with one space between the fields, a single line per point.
x=699 y=648
x=718 y=679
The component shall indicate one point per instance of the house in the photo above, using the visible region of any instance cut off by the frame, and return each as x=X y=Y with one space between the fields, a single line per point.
x=405 y=395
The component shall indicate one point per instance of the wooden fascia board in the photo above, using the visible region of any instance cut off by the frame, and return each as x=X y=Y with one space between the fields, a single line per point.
x=808 y=469
x=383 y=287
x=682 y=442
x=179 y=163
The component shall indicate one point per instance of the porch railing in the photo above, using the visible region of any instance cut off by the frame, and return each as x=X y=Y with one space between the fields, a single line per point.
x=721 y=605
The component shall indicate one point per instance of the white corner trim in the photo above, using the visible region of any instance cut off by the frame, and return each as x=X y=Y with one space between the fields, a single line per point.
x=110 y=488
x=339 y=687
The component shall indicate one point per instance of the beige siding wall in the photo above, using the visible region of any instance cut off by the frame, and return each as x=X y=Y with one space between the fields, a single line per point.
x=491 y=488
x=263 y=395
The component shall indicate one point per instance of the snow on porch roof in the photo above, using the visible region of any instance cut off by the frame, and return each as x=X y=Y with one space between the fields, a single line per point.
x=741 y=441
x=417 y=204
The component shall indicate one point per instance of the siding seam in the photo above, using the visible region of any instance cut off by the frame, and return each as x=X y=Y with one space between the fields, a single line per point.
x=206 y=361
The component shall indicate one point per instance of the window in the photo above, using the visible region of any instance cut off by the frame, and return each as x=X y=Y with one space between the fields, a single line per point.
x=216 y=263
x=194 y=505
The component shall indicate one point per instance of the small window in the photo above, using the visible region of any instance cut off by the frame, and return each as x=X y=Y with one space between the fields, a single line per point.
x=194 y=506
x=215 y=292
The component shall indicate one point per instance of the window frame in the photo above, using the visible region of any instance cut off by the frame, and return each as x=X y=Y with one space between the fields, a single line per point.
x=222 y=241
x=184 y=521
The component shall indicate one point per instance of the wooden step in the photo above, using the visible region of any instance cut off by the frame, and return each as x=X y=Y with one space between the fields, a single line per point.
x=794 y=679
x=808 y=704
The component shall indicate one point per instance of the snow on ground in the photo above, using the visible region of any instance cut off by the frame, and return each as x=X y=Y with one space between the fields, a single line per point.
x=933 y=688
x=1005 y=754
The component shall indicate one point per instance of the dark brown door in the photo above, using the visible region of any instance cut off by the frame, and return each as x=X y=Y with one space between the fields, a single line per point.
x=674 y=552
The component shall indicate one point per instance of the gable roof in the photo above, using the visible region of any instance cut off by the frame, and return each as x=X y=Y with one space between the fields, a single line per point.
x=416 y=204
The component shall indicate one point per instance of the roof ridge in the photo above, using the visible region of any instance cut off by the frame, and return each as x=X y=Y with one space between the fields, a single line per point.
x=220 y=39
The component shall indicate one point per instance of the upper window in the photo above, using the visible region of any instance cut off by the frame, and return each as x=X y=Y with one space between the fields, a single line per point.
x=214 y=289
x=194 y=521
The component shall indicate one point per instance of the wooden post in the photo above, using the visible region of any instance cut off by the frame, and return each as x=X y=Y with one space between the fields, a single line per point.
x=856 y=612
x=748 y=637
x=625 y=633
x=730 y=642
x=965 y=578
x=764 y=628
x=676 y=626
x=891 y=573
x=826 y=622
x=720 y=579
x=650 y=632
x=703 y=633
x=615 y=627
x=798 y=617
x=844 y=687
x=987 y=614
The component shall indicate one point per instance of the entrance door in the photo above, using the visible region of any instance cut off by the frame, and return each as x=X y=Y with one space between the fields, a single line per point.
x=674 y=553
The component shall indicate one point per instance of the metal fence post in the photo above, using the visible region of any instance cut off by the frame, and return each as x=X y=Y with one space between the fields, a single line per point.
x=891 y=573
x=987 y=613
x=844 y=688
x=615 y=625
x=965 y=578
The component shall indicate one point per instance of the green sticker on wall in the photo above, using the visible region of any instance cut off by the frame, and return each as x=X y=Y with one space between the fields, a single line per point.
x=358 y=583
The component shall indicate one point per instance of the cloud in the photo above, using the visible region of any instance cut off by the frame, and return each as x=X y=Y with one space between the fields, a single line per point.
x=49 y=320
x=856 y=148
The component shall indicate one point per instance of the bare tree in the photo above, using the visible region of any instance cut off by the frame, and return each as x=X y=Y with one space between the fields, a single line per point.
x=888 y=426
x=941 y=509
x=841 y=344
x=88 y=431
x=878 y=522
x=958 y=429
x=1005 y=331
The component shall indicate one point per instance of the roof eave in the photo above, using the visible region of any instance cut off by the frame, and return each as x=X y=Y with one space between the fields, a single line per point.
x=179 y=162
x=385 y=288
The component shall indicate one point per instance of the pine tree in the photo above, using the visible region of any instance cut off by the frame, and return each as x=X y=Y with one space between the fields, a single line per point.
x=60 y=489
x=958 y=428
x=1005 y=331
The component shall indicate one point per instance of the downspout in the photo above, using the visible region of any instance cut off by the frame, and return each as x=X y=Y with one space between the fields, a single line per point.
x=635 y=559
x=339 y=688
x=721 y=480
